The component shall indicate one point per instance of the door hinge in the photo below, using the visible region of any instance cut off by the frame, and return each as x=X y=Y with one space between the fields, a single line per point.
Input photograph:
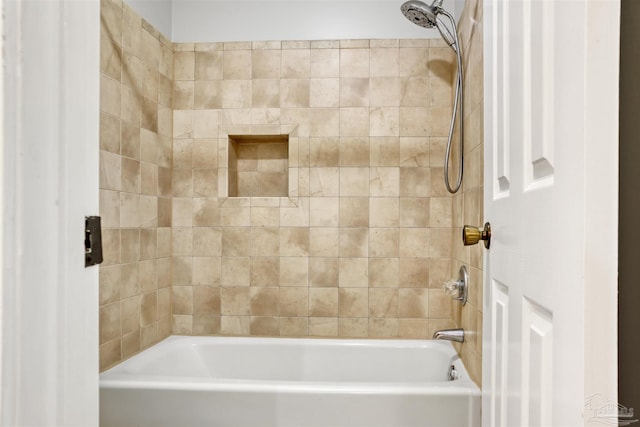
x=92 y=241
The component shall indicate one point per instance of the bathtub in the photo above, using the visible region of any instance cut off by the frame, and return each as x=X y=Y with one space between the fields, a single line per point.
x=276 y=382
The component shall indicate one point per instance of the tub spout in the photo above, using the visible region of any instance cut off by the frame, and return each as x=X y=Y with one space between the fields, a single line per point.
x=456 y=335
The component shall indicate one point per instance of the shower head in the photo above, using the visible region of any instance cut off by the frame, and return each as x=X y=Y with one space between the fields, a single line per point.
x=420 y=13
x=426 y=16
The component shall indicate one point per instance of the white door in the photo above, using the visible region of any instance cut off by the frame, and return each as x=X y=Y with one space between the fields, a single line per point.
x=49 y=167
x=551 y=91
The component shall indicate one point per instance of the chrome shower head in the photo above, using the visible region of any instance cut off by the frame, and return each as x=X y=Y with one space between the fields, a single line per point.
x=426 y=16
x=419 y=13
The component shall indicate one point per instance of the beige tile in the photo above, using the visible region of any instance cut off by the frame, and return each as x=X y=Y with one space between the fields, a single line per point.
x=206 y=212
x=182 y=214
x=439 y=304
x=384 y=62
x=266 y=64
x=148 y=211
x=130 y=140
x=383 y=328
x=149 y=118
x=294 y=326
x=324 y=182
x=182 y=300
x=237 y=64
x=294 y=93
x=324 y=152
x=414 y=61
x=206 y=301
x=181 y=270
x=130 y=309
x=325 y=62
x=295 y=63
x=415 y=182
x=182 y=182
x=354 y=272
x=441 y=240
x=324 y=211
x=208 y=241
x=109 y=133
x=415 y=121
x=383 y=272
x=130 y=245
x=383 y=303
x=384 y=121
x=208 y=94
x=415 y=151
x=384 y=212
x=383 y=242
x=208 y=65
x=354 y=92
x=234 y=325
x=353 y=302
x=265 y=241
x=353 y=327
x=110 y=99
x=324 y=92
x=110 y=327
x=414 y=272
x=130 y=344
x=264 y=301
x=266 y=326
x=354 y=122
x=323 y=272
x=236 y=272
x=148 y=308
x=206 y=271
x=354 y=151
x=148 y=179
x=265 y=216
x=294 y=301
x=384 y=181
x=109 y=284
x=110 y=208
x=414 y=242
x=413 y=328
x=235 y=301
x=183 y=94
x=414 y=212
x=110 y=353
x=354 y=242
x=354 y=211
x=110 y=171
x=294 y=241
x=206 y=325
x=323 y=326
x=324 y=122
x=384 y=92
x=206 y=123
x=265 y=93
x=416 y=92
x=354 y=63
x=182 y=324
x=323 y=242
x=354 y=181
x=265 y=271
x=236 y=94
x=294 y=271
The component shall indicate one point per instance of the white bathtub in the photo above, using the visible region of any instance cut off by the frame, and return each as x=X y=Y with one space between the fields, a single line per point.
x=274 y=382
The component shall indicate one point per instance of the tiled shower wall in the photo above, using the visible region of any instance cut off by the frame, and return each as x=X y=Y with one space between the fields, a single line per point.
x=136 y=68
x=365 y=240
x=468 y=204
x=363 y=243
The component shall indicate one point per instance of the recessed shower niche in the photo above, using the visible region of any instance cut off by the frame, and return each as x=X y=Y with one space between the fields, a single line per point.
x=258 y=166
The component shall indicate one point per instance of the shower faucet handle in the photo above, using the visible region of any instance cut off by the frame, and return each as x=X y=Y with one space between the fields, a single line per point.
x=472 y=235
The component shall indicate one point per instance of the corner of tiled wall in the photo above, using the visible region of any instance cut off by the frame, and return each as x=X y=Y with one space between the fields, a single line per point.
x=136 y=73
x=468 y=203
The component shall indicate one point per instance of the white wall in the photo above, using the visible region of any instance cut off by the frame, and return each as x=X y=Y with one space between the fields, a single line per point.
x=156 y=12
x=242 y=20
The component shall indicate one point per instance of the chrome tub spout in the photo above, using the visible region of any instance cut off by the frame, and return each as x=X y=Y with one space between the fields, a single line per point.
x=456 y=335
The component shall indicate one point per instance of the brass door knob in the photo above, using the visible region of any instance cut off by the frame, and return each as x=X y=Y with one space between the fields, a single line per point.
x=472 y=235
